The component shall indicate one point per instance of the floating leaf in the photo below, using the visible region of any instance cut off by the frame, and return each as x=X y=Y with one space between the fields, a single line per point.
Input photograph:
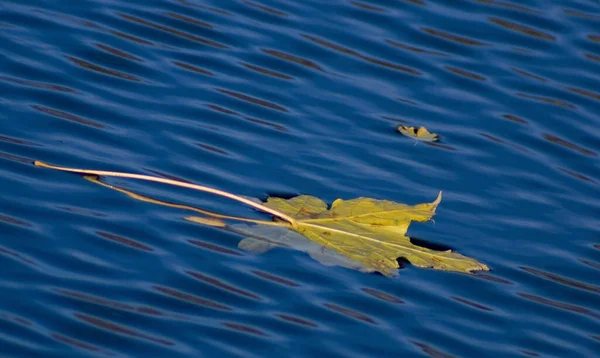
x=364 y=234
x=368 y=233
x=420 y=133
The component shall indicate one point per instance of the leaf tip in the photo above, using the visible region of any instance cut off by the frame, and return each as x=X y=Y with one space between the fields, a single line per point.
x=479 y=266
x=336 y=202
x=438 y=199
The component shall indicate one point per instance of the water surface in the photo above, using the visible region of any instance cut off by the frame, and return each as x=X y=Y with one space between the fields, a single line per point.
x=282 y=97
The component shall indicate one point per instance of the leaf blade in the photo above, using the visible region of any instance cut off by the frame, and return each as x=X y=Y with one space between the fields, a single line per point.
x=372 y=233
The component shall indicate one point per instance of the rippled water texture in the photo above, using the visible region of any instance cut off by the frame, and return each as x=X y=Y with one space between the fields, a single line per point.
x=284 y=97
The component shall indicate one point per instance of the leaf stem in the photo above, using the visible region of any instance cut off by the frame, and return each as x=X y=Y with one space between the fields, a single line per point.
x=218 y=192
x=131 y=194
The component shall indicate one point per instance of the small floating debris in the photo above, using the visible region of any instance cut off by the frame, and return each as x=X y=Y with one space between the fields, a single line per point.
x=420 y=133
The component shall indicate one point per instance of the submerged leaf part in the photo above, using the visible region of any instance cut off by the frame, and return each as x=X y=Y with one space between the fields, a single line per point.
x=420 y=133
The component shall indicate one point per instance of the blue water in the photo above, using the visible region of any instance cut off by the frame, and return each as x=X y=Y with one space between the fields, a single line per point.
x=283 y=97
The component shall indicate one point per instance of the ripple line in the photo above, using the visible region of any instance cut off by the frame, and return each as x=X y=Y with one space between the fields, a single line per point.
x=350 y=313
x=132 y=38
x=512 y=117
x=353 y=53
x=291 y=58
x=554 y=101
x=452 y=37
x=430 y=351
x=492 y=278
x=16 y=158
x=530 y=75
x=265 y=123
x=124 y=241
x=581 y=14
x=190 y=20
x=265 y=8
x=296 y=320
x=192 y=68
x=367 y=6
x=17 y=256
x=12 y=140
x=243 y=328
x=416 y=2
x=120 y=329
x=522 y=29
x=594 y=265
x=193 y=299
x=118 y=52
x=85 y=297
x=253 y=100
x=106 y=71
x=381 y=295
x=219 y=284
x=13 y=221
x=173 y=31
x=267 y=72
x=577 y=175
x=592 y=57
x=415 y=49
x=586 y=93
x=16 y=319
x=80 y=344
x=203 y=7
x=67 y=116
x=569 y=145
x=276 y=279
x=214 y=247
x=211 y=148
x=218 y=108
x=560 y=305
x=562 y=280
x=40 y=85
x=465 y=73
x=471 y=303
x=508 y=6
x=594 y=38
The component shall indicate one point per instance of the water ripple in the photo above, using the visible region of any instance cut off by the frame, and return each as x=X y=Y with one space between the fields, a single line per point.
x=120 y=329
x=172 y=31
x=67 y=116
x=281 y=97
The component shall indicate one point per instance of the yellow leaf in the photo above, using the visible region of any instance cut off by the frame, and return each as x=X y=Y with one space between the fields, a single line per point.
x=363 y=233
x=369 y=232
x=420 y=133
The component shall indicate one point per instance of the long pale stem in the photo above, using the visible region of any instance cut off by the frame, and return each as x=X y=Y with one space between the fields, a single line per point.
x=131 y=194
x=222 y=193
